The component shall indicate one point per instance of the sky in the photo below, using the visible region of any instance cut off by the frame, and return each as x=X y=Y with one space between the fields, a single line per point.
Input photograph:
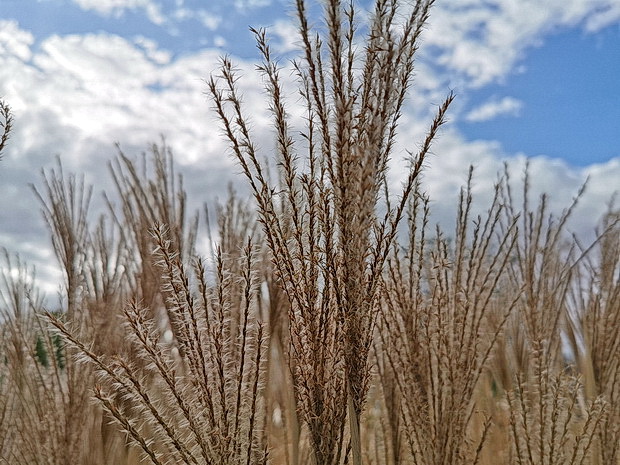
x=534 y=80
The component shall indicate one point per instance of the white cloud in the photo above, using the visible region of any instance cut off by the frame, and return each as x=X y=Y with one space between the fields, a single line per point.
x=14 y=41
x=447 y=167
x=209 y=20
x=76 y=95
x=483 y=40
x=154 y=12
x=287 y=36
x=508 y=106
x=153 y=52
x=118 y=7
x=247 y=4
x=219 y=41
x=603 y=17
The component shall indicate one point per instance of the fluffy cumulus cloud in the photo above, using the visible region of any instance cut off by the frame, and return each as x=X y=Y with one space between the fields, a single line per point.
x=15 y=42
x=606 y=15
x=248 y=4
x=116 y=7
x=507 y=106
x=209 y=20
x=446 y=172
x=100 y=88
x=77 y=95
x=161 y=14
x=286 y=34
x=483 y=39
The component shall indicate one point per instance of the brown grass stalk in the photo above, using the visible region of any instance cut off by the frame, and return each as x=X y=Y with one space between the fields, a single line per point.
x=6 y=124
x=329 y=245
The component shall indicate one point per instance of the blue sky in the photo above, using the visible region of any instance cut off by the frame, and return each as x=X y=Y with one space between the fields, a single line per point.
x=534 y=79
x=570 y=100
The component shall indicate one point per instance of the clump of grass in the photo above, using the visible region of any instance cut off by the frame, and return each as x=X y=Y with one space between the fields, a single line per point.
x=150 y=191
x=44 y=419
x=330 y=245
x=551 y=420
x=444 y=315
x=593 y=333
x=201 y=401
x=65 y=203
x=89 y=297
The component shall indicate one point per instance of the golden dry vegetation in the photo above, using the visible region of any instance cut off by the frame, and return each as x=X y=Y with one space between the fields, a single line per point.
x=332 y=323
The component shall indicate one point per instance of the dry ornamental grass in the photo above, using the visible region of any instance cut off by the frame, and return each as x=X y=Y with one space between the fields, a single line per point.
x=331 y=323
